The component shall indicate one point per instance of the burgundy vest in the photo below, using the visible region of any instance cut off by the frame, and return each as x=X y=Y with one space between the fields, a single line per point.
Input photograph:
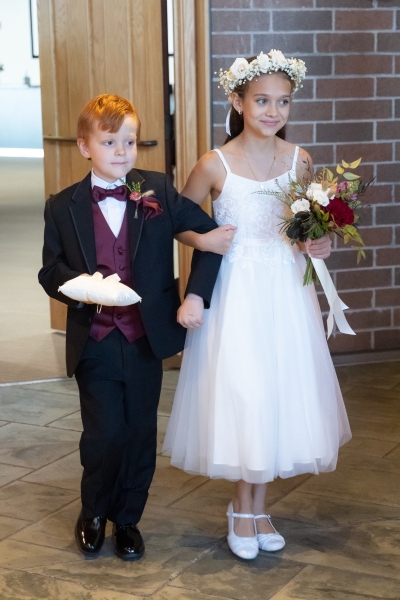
x=113 y=257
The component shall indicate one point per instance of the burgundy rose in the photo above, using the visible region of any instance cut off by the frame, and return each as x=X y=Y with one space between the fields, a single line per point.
x=340 y=212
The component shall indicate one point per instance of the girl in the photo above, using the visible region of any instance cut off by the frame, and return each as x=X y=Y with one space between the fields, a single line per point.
x=257 y=396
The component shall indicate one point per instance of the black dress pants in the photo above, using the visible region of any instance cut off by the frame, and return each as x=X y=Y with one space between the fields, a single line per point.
x=119 y=386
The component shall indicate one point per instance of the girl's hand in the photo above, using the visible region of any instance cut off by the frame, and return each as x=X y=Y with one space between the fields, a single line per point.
x=218 y=240
x=317 y=248
x=190 y=313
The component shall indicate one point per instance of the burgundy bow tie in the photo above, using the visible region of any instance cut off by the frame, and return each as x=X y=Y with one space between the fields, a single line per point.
x=119 y=193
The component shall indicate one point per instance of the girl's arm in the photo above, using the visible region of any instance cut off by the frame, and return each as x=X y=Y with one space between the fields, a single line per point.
x=206 y=178
x=316 y=248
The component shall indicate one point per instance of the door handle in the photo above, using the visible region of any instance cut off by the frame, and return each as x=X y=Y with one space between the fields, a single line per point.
x=58 y=138
x=148 y=143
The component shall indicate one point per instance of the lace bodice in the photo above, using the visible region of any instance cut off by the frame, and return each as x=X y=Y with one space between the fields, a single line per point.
x=258 y=217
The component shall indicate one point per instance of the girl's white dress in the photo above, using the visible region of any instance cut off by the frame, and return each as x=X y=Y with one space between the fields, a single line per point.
x=258 y=395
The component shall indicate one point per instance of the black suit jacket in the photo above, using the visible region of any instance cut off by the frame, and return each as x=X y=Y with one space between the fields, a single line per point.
x=69 y=250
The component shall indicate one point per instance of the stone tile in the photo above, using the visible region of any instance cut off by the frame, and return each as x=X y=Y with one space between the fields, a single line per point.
x=64 y=473
x=162 y=423
x=173 y=593
x=299 y=509
x=33 y=446
x=72 y=422
x=375 y=429
x=367 y=447
x=8 y=526
x=170 y=379
x=376 y=382
x=22 y=404
x=369 y=373
x=170 y=484
x=394 y=454
x=21 y=555
x=215 y=494
x=345 y=388
x=65 y=386
x=371 y=479
x=372 y=548
x=142 y=577
x=373 y=404
x=55 y=530
x=223 y=575
x=10 y=473
x=193 y=529
x=3 y=423
x=166 y=401
x=321 y=583
x=20 y=585
x=31 y=501
x=158 y=525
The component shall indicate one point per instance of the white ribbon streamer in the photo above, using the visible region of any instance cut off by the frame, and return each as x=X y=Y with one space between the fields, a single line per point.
x=336 y=305
x=227 y=127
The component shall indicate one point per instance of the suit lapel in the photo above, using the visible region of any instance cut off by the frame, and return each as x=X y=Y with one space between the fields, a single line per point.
x=135 y=224
x=82 y=217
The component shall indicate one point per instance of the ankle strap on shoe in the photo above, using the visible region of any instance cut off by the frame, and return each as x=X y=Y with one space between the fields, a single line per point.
x=240 y=515
x=263 y=517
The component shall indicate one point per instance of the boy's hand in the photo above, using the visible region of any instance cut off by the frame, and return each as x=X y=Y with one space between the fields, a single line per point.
x=190 y=313
x=317 y=248
x=218 y=240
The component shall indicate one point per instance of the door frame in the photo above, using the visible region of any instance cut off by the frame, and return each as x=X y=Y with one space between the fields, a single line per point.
x=192 y=99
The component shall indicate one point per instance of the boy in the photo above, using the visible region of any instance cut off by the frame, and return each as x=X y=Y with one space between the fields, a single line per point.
x=117 y=354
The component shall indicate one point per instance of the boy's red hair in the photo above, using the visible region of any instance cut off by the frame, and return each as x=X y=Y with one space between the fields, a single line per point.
x=108 y=111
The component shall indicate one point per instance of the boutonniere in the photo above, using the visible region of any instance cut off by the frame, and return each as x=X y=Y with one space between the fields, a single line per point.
x=150 y=205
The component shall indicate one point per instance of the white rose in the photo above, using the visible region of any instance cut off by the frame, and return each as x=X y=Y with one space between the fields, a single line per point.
x=278 y=57
x=312 y=188
x=240 y=68
x=263 y=62
x=302 y=205
x=321 y=198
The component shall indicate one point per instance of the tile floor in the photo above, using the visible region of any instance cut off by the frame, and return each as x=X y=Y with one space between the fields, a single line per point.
x=342 y=529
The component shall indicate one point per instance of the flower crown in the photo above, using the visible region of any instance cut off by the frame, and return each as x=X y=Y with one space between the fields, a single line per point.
x=242 y=70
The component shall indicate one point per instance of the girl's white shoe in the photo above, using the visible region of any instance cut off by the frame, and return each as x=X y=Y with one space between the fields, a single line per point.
x=269 y=542
x=244 y=547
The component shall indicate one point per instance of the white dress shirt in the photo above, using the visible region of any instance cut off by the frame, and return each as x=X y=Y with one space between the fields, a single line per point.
x=112 y=209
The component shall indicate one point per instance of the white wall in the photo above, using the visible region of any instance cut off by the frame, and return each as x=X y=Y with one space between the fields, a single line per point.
x=20 y=109
x=15 y=44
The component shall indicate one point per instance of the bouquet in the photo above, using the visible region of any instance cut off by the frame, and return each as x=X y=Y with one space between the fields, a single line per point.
x=329 y=204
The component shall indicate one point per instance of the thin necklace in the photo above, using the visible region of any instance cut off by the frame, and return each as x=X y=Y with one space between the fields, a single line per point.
x=248 y=162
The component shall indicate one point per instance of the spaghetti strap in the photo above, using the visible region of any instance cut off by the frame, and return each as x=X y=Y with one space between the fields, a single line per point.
x=222 y=159
x=296 y=154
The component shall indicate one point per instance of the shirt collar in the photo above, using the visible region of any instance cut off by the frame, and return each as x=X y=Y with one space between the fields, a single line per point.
x=106 y=185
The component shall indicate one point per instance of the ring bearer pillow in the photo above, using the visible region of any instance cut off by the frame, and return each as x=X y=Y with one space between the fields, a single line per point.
x=107 y=292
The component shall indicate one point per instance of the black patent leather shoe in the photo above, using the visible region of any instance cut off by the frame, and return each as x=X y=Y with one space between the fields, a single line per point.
x=89 y=534
x=128 y=542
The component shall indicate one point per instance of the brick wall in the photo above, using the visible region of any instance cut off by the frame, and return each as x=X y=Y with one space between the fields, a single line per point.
x=349 y=107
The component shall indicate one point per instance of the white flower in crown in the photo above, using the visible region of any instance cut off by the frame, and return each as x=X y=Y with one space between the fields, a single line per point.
x=302 y=205
x=240 y=68
x=275 y=60
x=278 y=57
x=264 y=62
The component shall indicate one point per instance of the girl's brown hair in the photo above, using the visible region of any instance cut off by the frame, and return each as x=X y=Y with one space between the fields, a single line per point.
x=236 y=123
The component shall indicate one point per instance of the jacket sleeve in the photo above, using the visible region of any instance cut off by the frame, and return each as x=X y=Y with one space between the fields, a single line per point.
x=188 y=216
x=55 y=270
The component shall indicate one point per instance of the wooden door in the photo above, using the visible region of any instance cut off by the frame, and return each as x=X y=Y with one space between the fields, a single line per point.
x=90 y=47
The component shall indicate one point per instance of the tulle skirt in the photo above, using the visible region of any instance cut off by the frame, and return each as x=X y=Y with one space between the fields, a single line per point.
x=258 y=395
